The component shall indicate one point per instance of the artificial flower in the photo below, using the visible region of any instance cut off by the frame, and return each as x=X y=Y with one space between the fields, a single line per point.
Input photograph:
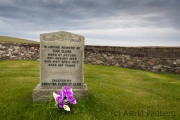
x=55 y=96
x=72 y=100
x=69 y=93
x=61 y=104
x=59 y=98
x=66 y=107
x=64 y=98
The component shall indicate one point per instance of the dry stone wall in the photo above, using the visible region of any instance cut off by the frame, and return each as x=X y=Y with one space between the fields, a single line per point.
x=162 y=59
x=157 y=59
x=19 y=51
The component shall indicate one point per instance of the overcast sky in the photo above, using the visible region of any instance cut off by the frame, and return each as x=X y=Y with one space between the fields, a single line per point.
x=102 y=22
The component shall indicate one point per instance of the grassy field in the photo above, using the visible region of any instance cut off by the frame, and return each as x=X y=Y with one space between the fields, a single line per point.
x=15 y=40
x=114 y=94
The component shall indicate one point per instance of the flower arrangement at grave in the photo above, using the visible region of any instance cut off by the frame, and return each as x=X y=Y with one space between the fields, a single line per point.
x=64 y=99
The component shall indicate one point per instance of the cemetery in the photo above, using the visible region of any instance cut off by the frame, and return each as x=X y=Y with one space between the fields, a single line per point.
x=107 y=82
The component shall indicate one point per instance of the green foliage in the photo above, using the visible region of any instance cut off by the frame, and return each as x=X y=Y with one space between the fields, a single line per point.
x=114 y=94
x=15 y=40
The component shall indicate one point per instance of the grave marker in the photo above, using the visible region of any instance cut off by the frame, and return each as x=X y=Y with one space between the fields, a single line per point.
x=61 y=64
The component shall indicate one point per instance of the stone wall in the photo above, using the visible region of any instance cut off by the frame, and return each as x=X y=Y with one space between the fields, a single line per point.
x=18 y=51
x=161 y=59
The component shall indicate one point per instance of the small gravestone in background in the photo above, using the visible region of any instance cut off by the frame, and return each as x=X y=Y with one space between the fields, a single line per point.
x=61 y=64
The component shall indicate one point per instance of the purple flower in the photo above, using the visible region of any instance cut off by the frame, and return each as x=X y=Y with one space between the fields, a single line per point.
x=69 y=93
x=59 y=98
x=61 y=104
x=63 y=97
x=66 y=88
x=60 y=93
x=71 y=99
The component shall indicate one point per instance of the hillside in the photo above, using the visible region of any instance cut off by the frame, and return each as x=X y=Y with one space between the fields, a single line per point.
x=15 y=40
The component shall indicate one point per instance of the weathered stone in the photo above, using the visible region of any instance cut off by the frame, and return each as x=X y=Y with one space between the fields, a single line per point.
x=42 y=94
x=104 y=55
x=152 y=62
x=174 y=64
x=62 y=64
x=7 y=55
x=32 y=48
x=178 y=61
x=127 y=57
x=11 y=57
x=177 y=70
x=162 y=70
x=16 y=47
x=158 y=67
x=142 y=67
x=123 y=60
x=16 y=51
x=139 y=63
x=99 y=62
x=10 y=49
x=62 y=55
x=3 y=47
x=1 y=51
x=130 y=64
x=117 y=65
x=28 y=55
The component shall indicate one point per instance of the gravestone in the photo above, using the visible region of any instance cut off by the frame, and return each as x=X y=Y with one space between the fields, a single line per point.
x=61 y=64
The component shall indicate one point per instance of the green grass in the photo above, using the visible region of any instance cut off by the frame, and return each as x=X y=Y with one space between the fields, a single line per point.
x=114 y=94
x=15 y=40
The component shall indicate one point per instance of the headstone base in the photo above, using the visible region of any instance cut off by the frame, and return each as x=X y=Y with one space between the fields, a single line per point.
x=43 y=95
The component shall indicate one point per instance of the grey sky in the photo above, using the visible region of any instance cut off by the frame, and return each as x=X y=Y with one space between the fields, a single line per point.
x=102 y=22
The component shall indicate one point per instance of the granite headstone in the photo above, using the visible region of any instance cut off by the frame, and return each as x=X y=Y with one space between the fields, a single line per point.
x=61 y=64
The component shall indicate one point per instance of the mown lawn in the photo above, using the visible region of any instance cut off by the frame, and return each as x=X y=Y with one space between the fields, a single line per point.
x=114 y=94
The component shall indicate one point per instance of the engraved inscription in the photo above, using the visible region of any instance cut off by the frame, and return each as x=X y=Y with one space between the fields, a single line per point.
x=62 y=55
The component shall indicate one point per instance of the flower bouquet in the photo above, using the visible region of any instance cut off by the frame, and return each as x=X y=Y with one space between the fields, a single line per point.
x=64 y=98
